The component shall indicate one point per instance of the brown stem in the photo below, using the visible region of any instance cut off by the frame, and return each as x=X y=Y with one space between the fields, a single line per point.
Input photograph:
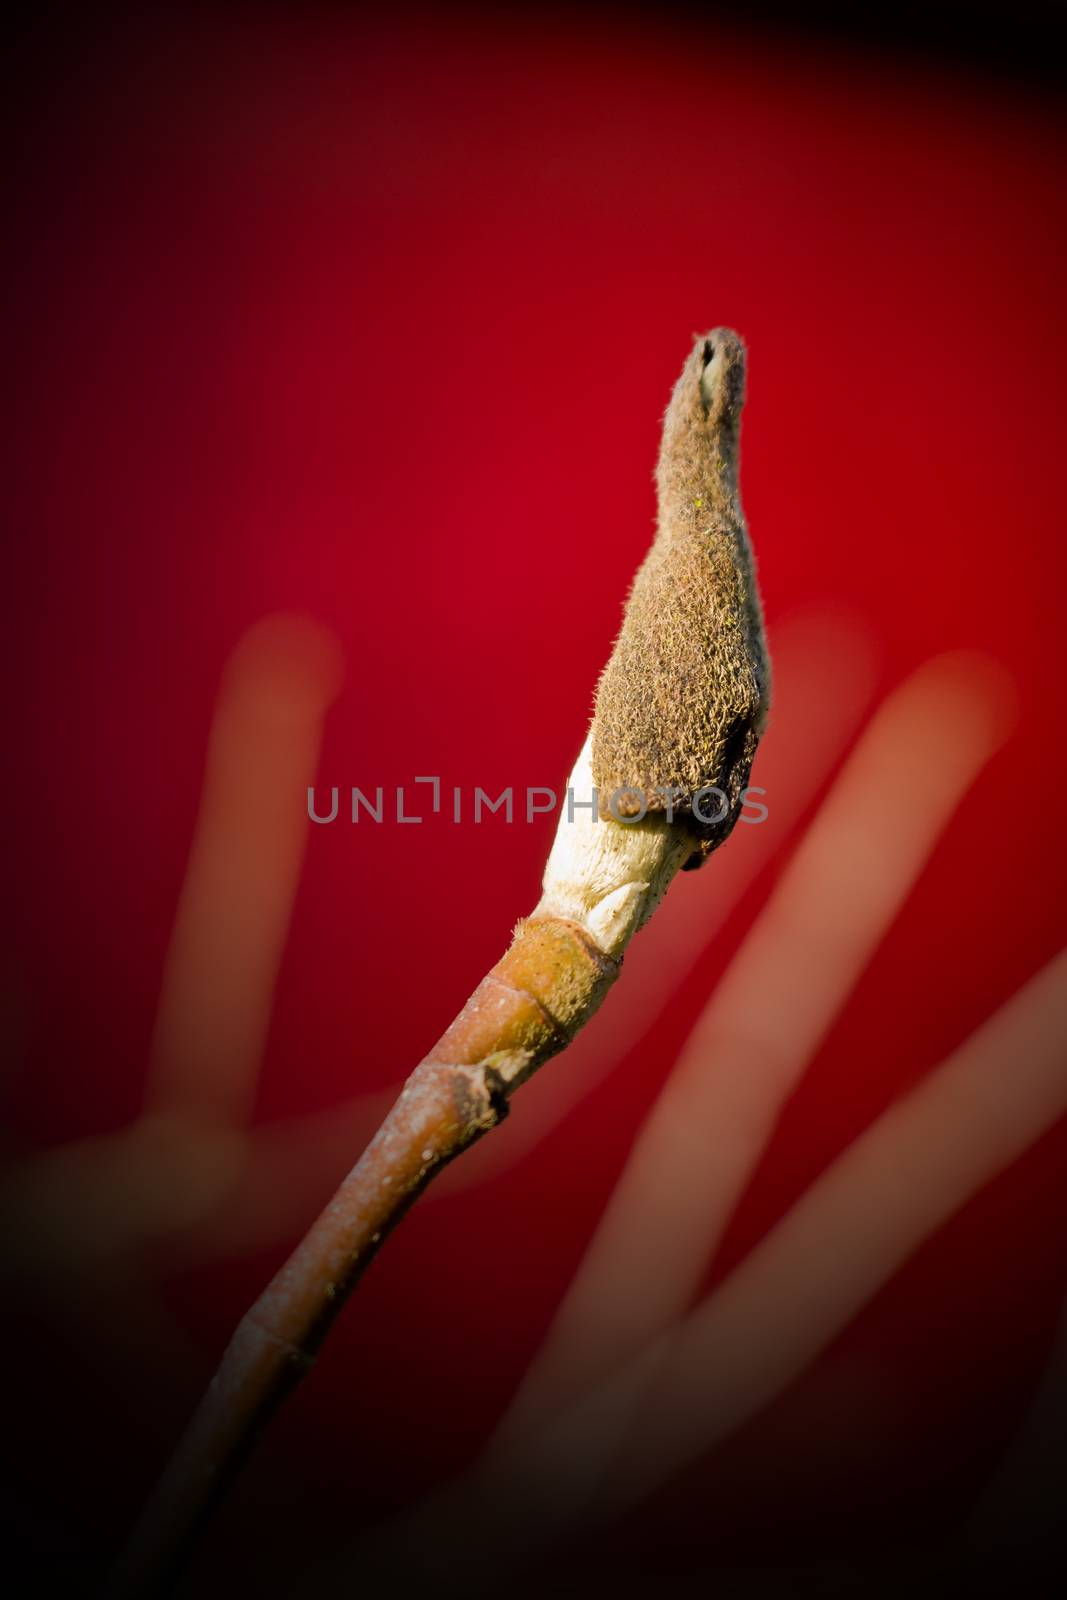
x=548 y=984
x=679 y=710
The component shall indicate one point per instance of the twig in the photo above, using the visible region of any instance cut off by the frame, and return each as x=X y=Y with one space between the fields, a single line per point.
x=680 y=710
x=244 y=865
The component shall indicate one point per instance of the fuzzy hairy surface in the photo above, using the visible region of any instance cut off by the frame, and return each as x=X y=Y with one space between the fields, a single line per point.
x=684 y=698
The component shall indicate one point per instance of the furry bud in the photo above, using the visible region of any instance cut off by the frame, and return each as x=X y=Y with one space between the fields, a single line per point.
x=684 y=698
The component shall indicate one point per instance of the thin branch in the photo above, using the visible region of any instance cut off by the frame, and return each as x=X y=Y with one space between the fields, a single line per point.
x=680 y=709
x=244 y=866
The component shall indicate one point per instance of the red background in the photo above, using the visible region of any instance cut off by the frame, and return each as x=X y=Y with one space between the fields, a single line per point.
x=376 y=322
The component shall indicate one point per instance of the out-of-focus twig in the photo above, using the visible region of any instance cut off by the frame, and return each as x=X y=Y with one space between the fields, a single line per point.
x=889 y=1191
x=244 y=867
